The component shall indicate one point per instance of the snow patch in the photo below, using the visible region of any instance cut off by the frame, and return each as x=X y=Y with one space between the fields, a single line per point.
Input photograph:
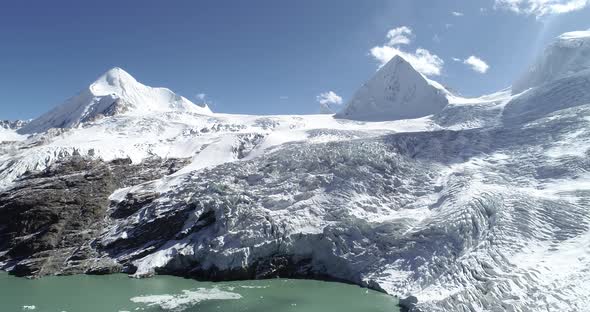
x=9 y=135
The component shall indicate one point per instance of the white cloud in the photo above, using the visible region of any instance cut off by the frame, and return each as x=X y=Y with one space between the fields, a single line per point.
x=456 y=59
x=422 y=60
x=329 y=102
x=201 y=96
x=477 y=64
x=330 y=97
x=399 y=35
x=457 y=13
x=541 y=7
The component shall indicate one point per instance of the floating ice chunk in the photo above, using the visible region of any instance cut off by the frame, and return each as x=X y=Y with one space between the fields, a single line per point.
x=188 y=298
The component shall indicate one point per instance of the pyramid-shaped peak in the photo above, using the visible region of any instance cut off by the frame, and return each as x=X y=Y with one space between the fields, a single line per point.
x=398 y=65
x=396 y=61
x=397 y=91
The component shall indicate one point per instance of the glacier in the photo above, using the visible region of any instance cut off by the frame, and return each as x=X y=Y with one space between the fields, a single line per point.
x=452 y=203
x=568 y=54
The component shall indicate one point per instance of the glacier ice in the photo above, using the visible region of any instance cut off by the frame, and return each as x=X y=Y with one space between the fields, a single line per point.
x=568 y=54
x=466 y=204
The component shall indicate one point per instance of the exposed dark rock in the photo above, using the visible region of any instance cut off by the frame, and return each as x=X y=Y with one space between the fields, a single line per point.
x=132 y=203
x=205 y=220
x=50 y=218
x=152 y=234
x=409 y=304
x=278 y=266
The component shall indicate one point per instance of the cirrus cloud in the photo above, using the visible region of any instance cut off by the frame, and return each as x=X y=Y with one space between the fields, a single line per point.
x=541 y=7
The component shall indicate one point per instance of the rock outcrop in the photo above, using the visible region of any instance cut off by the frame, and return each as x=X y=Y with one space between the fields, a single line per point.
x=50 y=219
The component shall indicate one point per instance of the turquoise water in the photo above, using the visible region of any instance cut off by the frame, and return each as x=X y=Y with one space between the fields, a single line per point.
x=83 y=293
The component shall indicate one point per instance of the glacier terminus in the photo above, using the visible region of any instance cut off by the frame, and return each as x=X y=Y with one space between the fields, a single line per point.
x=447 y=202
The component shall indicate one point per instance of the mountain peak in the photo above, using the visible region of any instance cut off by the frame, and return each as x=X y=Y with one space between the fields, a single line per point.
x=112 y=81
x=113 y=93
x=117 y=73
x=116 y=70
x=397 y=91
x=397 y=60
x=568 y=54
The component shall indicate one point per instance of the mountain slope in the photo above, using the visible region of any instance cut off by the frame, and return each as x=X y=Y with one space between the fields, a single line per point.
x=397 y=91
x=115 y=92
x=568 y=54
x=482 y=206
x=9 y=128
x=569 y=91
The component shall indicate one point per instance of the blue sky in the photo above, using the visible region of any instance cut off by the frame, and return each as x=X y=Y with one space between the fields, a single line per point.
x=266 y=56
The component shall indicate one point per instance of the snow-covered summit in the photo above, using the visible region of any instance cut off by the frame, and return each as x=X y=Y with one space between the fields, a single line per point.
x=567 y=55
x=115 y=92
x=482 y=206
x=575 y=35
x=397 y=91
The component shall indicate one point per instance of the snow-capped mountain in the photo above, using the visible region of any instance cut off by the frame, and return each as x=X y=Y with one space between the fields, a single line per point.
x=115 y=92
x=567 y=55
x=13 y=124
x=397 y=91
x=9 y=128
x=480 y=204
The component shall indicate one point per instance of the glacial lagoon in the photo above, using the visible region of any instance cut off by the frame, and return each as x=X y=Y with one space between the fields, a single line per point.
x=118 y=293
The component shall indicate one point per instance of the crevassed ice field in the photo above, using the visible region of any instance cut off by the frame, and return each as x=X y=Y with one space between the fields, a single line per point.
x=460 y=204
